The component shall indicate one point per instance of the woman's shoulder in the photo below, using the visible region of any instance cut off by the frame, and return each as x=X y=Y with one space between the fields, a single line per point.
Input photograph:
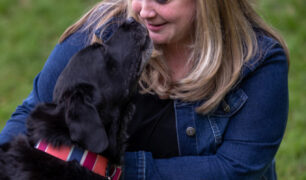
x=63 y=51
x=61 y=54
x=268 y=50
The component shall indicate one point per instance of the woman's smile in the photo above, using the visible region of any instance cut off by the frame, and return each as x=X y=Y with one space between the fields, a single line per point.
x=155 y=27
x=168 y=22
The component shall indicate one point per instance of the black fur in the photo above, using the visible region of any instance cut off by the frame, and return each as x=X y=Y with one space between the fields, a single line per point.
x=91 y=108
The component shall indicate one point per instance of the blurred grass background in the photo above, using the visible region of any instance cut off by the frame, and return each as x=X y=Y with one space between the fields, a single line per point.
x=30 y=29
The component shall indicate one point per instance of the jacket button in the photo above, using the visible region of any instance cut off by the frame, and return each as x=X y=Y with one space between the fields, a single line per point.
x=226 y=107
x=190 y=131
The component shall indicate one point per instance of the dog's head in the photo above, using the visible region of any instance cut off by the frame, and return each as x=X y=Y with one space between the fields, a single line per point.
x=92 y=94
x=114 y=66
x=124 y=40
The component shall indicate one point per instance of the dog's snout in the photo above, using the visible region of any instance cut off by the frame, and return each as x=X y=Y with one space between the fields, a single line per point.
x=130 y=20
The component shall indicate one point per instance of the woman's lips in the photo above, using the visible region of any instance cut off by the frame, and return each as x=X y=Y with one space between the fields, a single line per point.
x=155 y=27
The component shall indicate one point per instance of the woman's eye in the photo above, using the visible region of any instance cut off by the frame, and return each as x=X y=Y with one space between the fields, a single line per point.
x=162 y=1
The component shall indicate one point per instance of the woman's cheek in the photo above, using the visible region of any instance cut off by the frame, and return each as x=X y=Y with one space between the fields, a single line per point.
x=136 y=6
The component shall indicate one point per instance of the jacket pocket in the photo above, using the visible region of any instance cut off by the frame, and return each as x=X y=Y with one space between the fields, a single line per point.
x=215 y=123
x=231 y=104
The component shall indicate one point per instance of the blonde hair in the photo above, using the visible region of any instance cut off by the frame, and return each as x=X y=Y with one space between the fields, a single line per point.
x=223 y=40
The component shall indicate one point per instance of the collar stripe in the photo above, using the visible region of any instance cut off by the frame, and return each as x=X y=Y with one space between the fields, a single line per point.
x=76 y=154
x=41 y=146
x=99 y=167
x=83 y=155
x=61 y=152
x=69 y=155
x=90 y=160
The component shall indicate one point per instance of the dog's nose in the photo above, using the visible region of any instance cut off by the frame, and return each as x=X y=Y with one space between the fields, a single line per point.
x=130 y=20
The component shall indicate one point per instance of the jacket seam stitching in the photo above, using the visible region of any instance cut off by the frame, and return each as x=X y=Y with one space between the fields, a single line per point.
x=194 y=124
x=264 y=54
x=215 y=130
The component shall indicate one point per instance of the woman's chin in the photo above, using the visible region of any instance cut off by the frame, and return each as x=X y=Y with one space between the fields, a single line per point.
x=158 y=43
x=158 y=40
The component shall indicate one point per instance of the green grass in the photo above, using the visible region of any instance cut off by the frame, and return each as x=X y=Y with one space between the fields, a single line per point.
x=288 y=16
x=30 y=29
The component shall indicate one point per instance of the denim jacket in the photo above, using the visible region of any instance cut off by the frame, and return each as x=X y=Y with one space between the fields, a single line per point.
x=237 y=141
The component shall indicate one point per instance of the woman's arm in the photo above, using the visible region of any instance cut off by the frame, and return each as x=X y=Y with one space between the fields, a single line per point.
x=43 y=84
x=251 y=139
x=16 y=124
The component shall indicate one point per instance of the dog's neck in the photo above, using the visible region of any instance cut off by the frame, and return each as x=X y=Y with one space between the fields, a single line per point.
x=92 y=161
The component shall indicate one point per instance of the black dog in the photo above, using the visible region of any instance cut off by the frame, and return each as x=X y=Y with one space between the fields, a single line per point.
x=90 y=110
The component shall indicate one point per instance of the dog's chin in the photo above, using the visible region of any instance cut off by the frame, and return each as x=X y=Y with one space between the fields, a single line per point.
x=137 y=67
x=146 y=54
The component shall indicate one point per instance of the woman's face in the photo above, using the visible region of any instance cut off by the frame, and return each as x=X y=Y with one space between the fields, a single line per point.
x=168 y=21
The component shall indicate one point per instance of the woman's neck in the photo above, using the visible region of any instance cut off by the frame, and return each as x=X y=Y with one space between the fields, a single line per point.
x=176 y=57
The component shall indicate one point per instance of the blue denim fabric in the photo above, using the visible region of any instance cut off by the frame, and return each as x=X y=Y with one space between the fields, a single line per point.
x=237 y=141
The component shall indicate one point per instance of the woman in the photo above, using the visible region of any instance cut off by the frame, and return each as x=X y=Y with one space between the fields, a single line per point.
x=213 y=101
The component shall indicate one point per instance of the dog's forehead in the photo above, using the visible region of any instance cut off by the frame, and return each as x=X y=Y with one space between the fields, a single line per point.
x=128 y=35
x=132 y=26
x=129 y=30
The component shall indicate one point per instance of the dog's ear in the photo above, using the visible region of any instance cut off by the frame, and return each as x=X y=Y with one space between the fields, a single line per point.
x=84 y=123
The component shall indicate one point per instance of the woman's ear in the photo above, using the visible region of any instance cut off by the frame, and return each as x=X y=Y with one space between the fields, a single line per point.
x=84 y=123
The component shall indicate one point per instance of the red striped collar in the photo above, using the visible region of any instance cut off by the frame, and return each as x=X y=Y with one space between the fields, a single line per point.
x=92 y=161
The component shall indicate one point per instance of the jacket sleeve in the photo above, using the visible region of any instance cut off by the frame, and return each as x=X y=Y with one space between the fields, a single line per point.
x=43 y=84
x=250 y=142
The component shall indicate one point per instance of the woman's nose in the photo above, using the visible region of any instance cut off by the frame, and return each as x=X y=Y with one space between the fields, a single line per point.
x=147 y=10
